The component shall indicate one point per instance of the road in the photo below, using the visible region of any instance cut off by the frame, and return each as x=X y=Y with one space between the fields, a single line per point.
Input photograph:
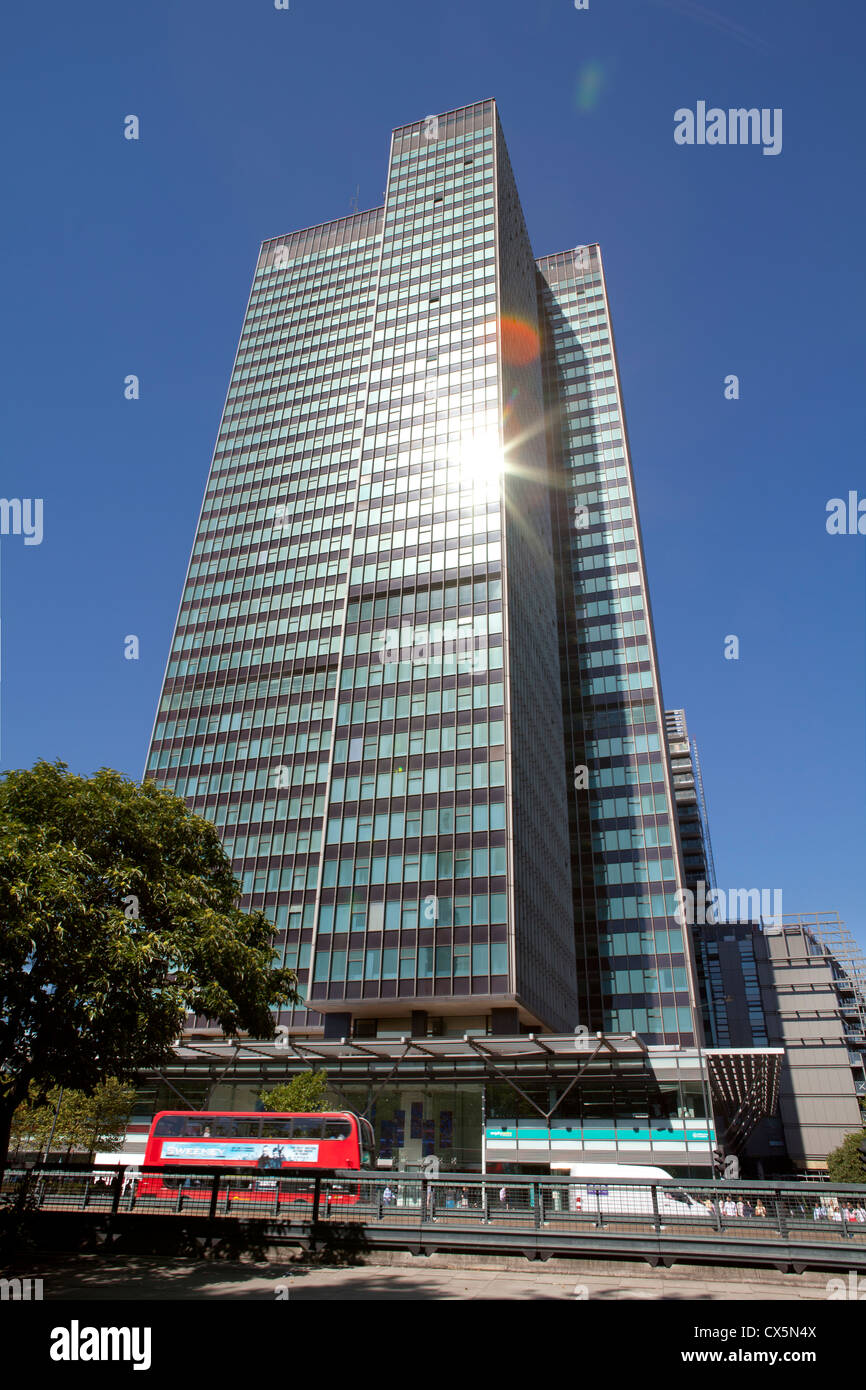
x=407 y=1278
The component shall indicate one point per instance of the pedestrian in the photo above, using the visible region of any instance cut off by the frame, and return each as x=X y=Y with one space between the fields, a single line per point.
x=503 y=1198
x=760 y=1210
x=387 y=1196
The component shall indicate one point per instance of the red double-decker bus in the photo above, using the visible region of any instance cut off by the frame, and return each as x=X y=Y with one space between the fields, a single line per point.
x=271 y=1143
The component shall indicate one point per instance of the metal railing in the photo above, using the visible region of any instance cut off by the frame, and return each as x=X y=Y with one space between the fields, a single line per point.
x=742 y=1211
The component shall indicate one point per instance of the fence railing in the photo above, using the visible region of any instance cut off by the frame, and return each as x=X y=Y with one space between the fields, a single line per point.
x=782 y=1212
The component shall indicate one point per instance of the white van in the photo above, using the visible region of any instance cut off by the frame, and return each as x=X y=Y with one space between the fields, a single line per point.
x=620 y=1189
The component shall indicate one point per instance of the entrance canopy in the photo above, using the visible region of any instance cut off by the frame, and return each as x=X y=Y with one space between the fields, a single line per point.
x=743 y=1083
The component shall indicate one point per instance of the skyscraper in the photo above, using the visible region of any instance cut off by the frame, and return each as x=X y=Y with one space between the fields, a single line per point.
x=413 y=678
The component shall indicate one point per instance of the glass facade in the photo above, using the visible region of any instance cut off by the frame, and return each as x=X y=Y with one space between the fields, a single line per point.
x=635 y=963
x=395 y=644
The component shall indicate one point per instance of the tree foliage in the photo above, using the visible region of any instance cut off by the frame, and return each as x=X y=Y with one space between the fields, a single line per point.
x=302 y=1095
x=89 y=1123
x=848 y=1163
x=118 y=916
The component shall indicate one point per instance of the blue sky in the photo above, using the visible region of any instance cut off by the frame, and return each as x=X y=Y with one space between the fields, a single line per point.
x=137 y=257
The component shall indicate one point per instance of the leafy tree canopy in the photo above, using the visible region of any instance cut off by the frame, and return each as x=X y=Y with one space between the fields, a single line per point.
x=118 y=916
x=302 y=1095
x=72 y=1120
x=848 y=1162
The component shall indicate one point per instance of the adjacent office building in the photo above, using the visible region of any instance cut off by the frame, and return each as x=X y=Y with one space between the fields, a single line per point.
x=799 y=985
x=698 y=866
x=413 y=679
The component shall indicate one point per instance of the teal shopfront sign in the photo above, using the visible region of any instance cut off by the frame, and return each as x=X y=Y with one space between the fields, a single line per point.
x=624 y=1134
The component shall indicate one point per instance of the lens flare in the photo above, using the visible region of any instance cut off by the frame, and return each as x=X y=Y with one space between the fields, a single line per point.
x=520 y=344
x=482 y=461
x=510 y=419
x=591 y=78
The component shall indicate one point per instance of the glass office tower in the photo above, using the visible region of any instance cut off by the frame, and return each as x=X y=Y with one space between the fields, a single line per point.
x=393 y=645
x=362 y=691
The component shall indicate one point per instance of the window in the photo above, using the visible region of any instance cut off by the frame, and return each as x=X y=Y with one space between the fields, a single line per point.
x=169 y=1127
x=332 y=1129
x=309 y=1127
x=276 y=1129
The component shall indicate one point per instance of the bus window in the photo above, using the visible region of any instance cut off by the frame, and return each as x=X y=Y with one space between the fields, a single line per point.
x=226 y=1128
x=169 y=1127
x=336 y=1129
x=276 y=1129
x=309 y=1127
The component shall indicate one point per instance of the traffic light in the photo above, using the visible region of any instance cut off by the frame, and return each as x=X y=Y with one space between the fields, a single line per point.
x=718 y=1159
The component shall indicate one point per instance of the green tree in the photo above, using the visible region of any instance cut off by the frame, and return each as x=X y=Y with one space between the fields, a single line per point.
x=78 y=1121
x=118 y=917
x=302 y=1095
x=847 y=1163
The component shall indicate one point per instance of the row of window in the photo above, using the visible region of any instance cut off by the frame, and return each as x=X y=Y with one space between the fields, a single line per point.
x=644 y=870
x=647 y=981
x=631 y=837
x=423 y=962
x=284 y=716
x=412 y=913
x=652 y=1023
x=211 y=719
x=419 y=866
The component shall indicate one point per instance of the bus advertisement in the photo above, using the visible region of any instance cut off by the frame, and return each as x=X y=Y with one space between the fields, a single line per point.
x=269 y=1142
